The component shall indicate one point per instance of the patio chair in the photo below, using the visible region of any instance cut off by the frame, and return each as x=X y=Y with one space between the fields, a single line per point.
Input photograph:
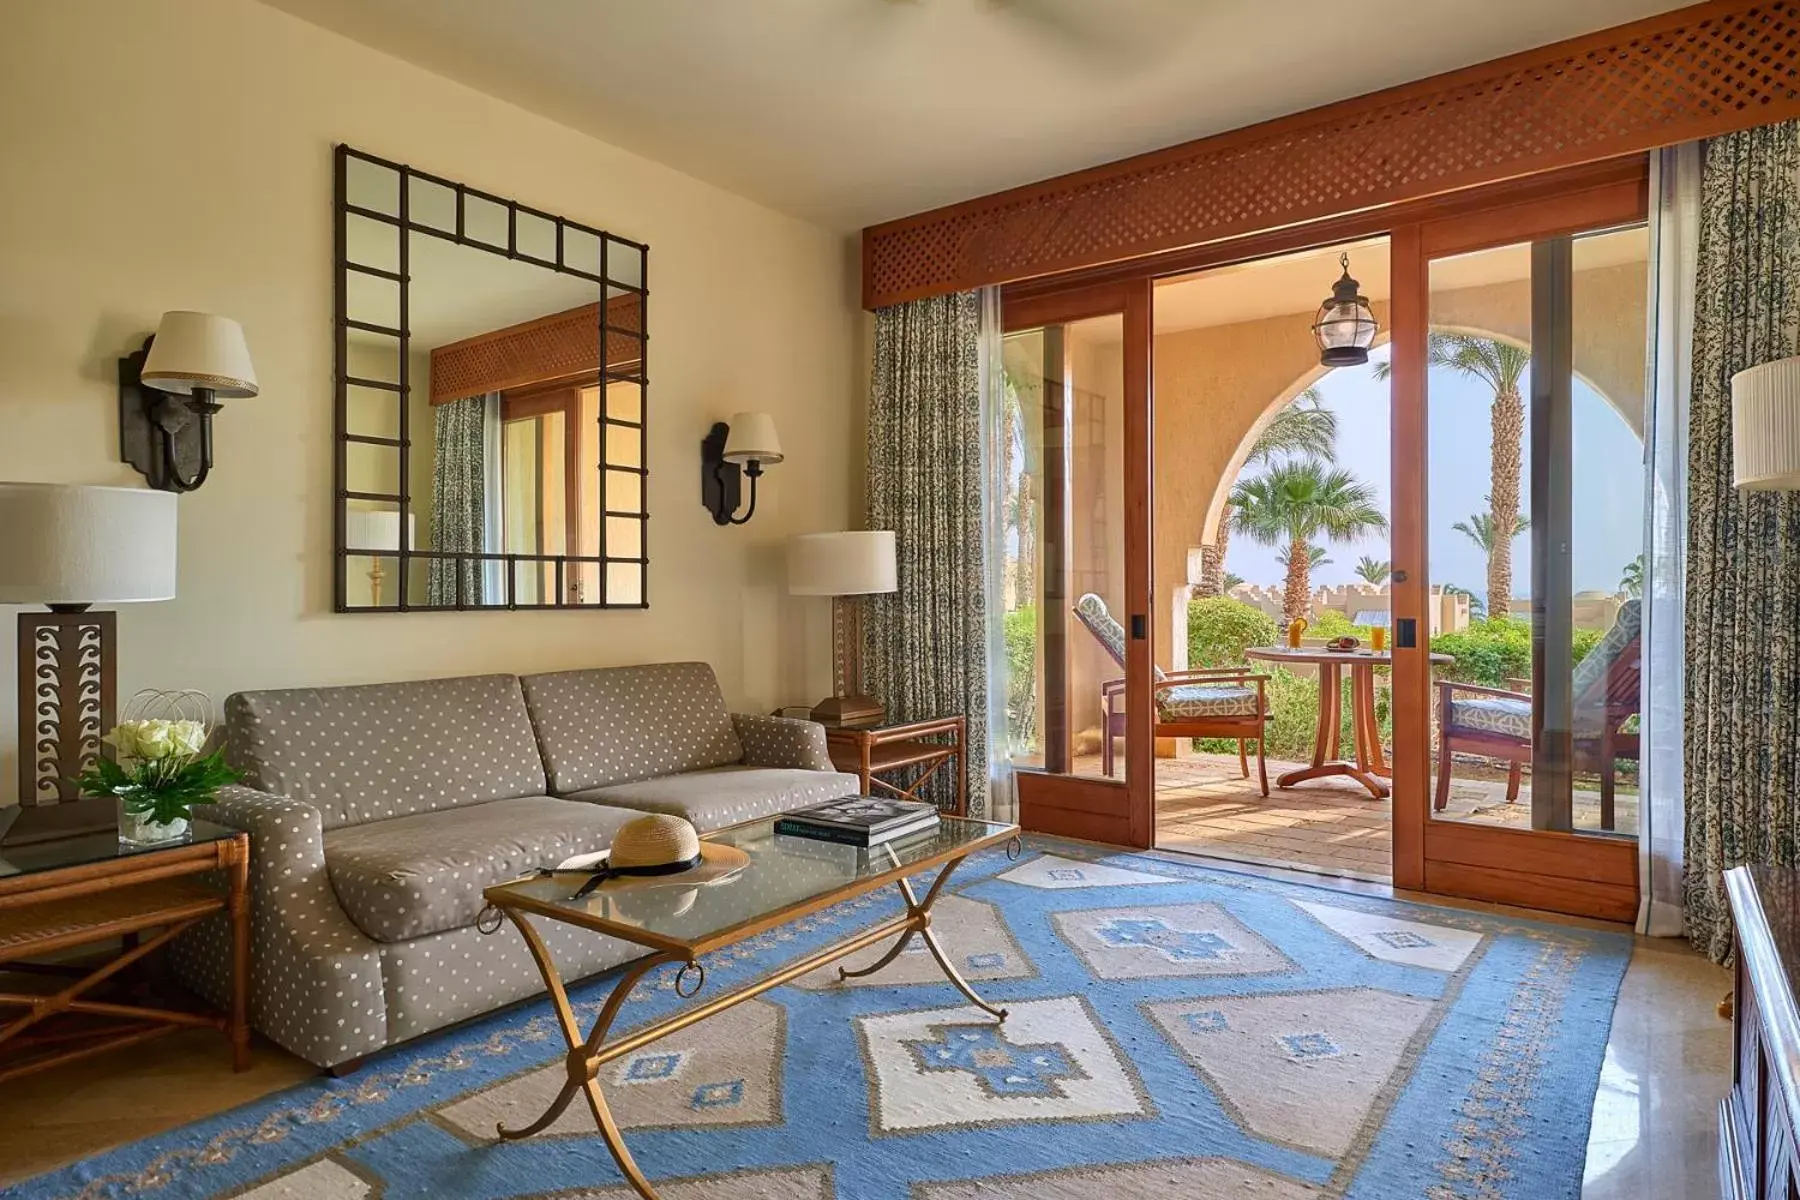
x=1215 y=702
x=1496 y=723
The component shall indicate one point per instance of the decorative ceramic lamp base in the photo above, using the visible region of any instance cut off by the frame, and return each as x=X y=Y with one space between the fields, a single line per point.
x=137 y=829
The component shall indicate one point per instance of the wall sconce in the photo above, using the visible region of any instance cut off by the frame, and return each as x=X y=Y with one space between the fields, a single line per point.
x=169 y=391
x=730 y=452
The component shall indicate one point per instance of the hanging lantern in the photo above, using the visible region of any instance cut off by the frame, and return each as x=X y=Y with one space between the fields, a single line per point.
x=1345 y=325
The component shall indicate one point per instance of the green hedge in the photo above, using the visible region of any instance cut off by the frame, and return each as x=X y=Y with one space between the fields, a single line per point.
x=1020 y=628
x=1220 y=628
x=1495 y=649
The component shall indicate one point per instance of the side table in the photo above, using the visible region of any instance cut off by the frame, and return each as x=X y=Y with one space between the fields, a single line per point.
x=869 y=751
x=82 y=891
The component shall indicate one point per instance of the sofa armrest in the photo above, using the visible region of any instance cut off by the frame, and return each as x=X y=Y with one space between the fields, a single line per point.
x=782 y=742
x=315 y=978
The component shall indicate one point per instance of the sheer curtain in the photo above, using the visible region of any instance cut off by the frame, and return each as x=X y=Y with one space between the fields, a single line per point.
x=1002 y=795
x=1674 y=242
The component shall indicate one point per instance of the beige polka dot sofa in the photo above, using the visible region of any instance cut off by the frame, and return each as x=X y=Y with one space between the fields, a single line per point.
x=377 y=814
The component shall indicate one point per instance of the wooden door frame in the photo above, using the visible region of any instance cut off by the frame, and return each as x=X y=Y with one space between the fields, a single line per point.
x=1120 y=813
x=1586 y=875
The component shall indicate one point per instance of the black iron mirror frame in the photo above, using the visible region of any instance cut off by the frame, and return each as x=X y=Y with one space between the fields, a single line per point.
x=607 y=287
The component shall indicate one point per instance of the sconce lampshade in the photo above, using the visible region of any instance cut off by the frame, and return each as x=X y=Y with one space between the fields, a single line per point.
x=1765 y=427
x=199 y=350
x=752 y=438
x=858 y=563
x=72 y=544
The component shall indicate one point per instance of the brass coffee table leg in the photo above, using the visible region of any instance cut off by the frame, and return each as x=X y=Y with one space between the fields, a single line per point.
x=584 y=1069
x=588 y=1055
x=918 y=921
x=893 y=952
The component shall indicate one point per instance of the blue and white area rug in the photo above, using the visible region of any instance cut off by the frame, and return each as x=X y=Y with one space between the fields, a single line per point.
x=1176 y=1031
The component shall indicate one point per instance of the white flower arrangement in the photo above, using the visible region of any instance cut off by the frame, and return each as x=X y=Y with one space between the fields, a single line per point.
x=162 y=768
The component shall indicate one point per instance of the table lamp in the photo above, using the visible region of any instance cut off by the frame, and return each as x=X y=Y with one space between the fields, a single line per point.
x=844 y=566
x=69 y=547
x=375 y=532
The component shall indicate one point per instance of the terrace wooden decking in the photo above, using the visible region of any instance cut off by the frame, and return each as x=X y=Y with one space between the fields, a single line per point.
x=1330 y=825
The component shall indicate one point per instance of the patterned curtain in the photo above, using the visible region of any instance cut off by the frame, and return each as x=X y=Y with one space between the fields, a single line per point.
x=925 y=645
x=1743 y=583
x=458 y=500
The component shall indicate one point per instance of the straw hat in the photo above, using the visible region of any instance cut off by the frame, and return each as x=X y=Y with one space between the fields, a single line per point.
x=661 y=848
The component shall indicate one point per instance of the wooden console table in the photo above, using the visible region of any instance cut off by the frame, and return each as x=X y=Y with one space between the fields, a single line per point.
x=1758 y=1155
x=869 y=751
x=63 y=895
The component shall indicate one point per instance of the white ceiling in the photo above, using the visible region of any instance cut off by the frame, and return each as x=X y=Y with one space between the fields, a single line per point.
x=847 y=112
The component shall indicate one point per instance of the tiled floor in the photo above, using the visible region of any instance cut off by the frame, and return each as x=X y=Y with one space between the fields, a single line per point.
x=1333 y=825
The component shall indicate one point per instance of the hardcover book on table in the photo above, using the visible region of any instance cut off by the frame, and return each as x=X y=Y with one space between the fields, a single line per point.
x=859 y=820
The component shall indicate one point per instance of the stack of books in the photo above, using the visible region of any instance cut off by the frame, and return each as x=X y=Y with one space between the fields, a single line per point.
x=860 y=821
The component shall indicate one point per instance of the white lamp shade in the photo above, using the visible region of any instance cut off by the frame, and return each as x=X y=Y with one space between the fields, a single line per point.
x=859 y=563
x=1765 y=427
x=376 y=531
x=198 y=350
x=71 y=544
x=752 y=436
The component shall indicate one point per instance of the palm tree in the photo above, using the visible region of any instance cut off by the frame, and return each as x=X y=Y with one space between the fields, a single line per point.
x=1373 y=570
x=1232 y=580
x=1294 y=502
x=1632 y=581
x=1500 y=365
x=1480 y=530
x=1304 y=427
x=1316 y=556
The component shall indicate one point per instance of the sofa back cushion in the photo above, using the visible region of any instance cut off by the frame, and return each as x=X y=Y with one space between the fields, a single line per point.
x=619 y=724
x=371 y=752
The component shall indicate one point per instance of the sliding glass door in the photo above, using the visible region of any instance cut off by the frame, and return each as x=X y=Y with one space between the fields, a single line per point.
x=1070 y=475
x=1520 y=356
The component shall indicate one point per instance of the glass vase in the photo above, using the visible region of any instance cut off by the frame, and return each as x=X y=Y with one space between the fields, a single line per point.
x=139 y=829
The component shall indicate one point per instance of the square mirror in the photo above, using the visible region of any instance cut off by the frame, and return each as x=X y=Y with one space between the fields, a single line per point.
x=481 y=464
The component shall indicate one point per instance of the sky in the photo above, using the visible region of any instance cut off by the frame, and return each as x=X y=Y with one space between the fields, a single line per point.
x=1608 y=484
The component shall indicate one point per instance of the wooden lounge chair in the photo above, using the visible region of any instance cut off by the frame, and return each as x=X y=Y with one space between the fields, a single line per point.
x=1496 y=723
x=1215 y=702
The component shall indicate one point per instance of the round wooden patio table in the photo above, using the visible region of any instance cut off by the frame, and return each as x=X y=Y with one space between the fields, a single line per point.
x=1370 y=765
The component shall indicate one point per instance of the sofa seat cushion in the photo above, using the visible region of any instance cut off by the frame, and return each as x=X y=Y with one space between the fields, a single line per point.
x=726 y=795
x=410 y=876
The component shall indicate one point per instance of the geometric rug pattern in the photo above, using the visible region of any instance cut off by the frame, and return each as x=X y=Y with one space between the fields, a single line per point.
x=1175 y=1031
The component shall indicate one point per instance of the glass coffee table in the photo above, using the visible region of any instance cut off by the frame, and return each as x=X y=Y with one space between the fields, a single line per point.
x=786 y=879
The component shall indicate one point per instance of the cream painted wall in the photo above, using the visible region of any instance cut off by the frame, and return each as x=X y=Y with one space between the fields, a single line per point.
x=178 y=155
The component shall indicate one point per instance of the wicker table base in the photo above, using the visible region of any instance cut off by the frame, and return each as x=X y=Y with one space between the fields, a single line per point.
x=47 y=914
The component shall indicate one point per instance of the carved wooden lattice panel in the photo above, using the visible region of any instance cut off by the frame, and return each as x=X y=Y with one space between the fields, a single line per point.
x=1696 y=72
x=553 y=347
